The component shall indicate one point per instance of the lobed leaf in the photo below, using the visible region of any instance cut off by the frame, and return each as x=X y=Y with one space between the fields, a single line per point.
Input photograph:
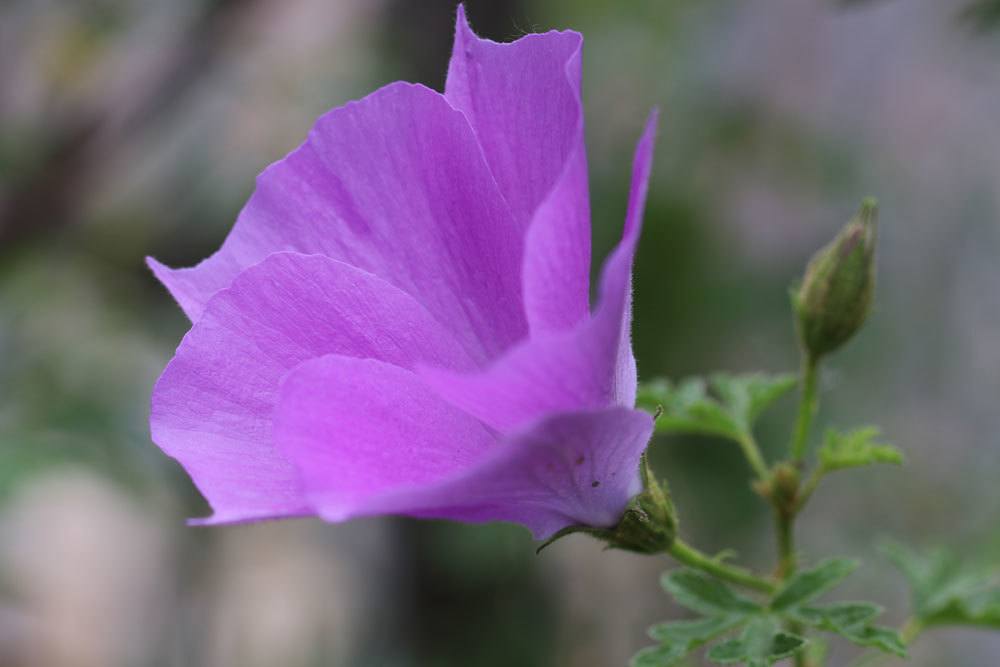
x=809 y=584
x=747 y=396
x=679 y=638
x=852 y=621
x=884 y=639
x=659 y=656
x=946 y=591
x=695 y=631
x=761 y=643
x=687 y=408
x=728 y=652
x=723 y=610
x=731 y=412
x=838 y=617
x=855 y=449
x=705 y=594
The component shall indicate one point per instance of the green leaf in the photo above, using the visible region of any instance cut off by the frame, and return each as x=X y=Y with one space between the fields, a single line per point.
x=947 y=591
x=693 y=632
x=662 y=392
x=737 y=403
x=659 y=656
x=724 y=609
x=705 y=417
x=874 y=636
x=728 y=652
x=784 y=645
x=851 y=620
x=747 y=396
x=761 y=643
x=809 y=584
x=679 y=638
x=838 y=617
x=855 y=449
x=705 y=594
x=687 y=408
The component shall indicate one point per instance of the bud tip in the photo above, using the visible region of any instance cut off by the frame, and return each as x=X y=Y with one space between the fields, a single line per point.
x=869 y=209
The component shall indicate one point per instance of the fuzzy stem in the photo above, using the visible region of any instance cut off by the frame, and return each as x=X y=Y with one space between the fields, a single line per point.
x=784 y=515
x=688 y=555
x=787 y=561
x=753 y=456
x=807 y=407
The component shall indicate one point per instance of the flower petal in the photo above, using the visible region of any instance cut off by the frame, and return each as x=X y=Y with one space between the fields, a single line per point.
x=588 y=367
x=617 y=279
x=212 y=407
x=578 y=468
x=360 y=428
x=370 y=439
x=523 y=100
x=397 y=185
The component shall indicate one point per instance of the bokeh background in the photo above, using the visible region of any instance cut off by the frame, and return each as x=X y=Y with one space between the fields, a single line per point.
x=134 y=127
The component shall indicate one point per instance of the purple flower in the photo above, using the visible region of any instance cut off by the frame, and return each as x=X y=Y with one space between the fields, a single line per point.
x=399 y=321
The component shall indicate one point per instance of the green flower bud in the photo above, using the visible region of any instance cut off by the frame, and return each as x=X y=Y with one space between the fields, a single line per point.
x=781 y=488
x=838 y=288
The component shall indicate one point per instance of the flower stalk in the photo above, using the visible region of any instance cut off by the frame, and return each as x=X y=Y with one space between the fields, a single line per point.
x=751 y=451
x=808 y=406
x=688 y=555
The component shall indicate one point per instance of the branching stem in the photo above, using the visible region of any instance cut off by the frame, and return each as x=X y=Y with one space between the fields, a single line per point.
x=809 y=487
x=753 y=456
x=785 y=513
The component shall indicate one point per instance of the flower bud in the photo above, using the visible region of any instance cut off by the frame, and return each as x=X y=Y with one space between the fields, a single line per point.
x=781 y=488
x=837 y=290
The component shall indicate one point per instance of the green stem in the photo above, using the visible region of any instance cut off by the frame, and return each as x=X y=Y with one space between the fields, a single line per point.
x=752 y=453
x=807 y=407
x=688 y=555
x=911 y=630
x=787 y=561
x=785 y=513
x=801 y=658
x=809 y=487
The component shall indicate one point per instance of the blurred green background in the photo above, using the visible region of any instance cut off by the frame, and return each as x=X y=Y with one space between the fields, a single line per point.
x=133 y=127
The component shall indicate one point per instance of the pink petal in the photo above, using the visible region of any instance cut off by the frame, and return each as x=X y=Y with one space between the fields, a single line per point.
x=395 y=184
x=360 y=428
x=577 y=468
x=370 y=439
x=211 y=408
x=523 y=100
x=588 y=367
x=618 y=267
